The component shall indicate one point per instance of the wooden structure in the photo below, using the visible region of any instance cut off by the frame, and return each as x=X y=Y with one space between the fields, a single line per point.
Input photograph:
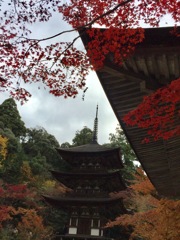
x=155 y=63
x=94 y=174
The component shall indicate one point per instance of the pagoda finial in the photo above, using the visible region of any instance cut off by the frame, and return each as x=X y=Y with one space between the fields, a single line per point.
x=95 y=131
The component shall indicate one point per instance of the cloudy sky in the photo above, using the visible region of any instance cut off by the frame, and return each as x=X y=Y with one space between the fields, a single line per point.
x=63 y=117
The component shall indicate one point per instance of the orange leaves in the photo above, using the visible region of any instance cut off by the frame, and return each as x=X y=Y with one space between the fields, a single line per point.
x=5 y=214
x=158 y=112
x=16 y=210
x=160 y=223
x=30 y=221
x=141 y=183
x=151 y=218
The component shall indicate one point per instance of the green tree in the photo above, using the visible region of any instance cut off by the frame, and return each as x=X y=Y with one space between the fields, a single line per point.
x=38 y=165
x=3 y=147
x=65 y=145
x=40 y=145
x=11 y=165
x=118 y=139
x=55 y=218
x=13 y=128
x=30 y=155
x=82 y=137
x=10 y=117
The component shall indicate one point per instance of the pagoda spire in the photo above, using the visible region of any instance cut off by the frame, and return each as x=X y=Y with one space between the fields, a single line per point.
x=95 y=130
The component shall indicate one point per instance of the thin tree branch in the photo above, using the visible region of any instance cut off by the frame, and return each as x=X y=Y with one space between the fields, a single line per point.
x=84 y=26
x=71 y=44
x=76 y=29
x=107 y=13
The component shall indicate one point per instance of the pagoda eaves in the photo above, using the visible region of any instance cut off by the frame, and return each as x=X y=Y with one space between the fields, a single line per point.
x=154 y=64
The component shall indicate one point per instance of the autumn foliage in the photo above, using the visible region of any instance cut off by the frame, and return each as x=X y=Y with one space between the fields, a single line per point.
x=60 y=66
x=110 y=41
x=30 y=221
x=3 y=146
x=158 y=113
x=12 y=193
x=151 y=217
x=18 y=212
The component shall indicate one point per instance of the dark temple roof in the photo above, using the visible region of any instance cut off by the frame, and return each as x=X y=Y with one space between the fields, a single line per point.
x=65 y=201
x=108 y=156
x=111 y=180
x=88 y=148
x=85 y=174
x=155 y=63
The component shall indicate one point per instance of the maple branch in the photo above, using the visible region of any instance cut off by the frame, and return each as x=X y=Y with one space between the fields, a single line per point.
x=48 y=38
x=71 y=44
x=14 y=2
x=106 y=13
x=75 y=29
x=83 y=26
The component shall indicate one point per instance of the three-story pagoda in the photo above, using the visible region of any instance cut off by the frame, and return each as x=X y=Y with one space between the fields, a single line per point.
x=94 y=175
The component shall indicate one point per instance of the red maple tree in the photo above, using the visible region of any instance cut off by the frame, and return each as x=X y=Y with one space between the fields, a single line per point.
x=24 y=59
x=158 y=113
x=19 y=211
x=60 y=66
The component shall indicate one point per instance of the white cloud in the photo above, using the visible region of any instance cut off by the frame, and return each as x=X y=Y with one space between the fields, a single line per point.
x=63 y=117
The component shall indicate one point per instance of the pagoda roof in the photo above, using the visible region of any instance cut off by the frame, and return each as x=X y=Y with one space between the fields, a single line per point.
x=88 y=148
x=85 y=174
x=109 y=156
x=66 y=178
x=72 y=201
x=154 y=63
x=81 y=236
